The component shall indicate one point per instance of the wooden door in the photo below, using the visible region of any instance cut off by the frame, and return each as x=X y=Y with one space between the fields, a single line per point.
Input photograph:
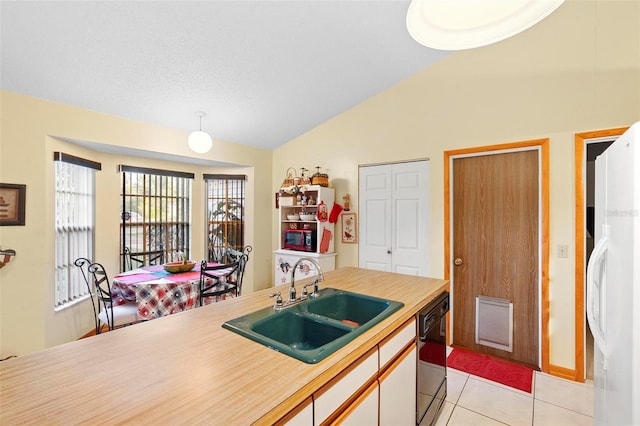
x=495 y=238
x=394 y=212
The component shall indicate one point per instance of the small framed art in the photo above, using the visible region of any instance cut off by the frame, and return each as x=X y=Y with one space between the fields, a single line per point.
x=349 y=227
x=12 y=204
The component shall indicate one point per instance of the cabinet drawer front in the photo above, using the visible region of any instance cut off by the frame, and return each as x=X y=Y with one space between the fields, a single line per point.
x=329 y=399
x=392 y=345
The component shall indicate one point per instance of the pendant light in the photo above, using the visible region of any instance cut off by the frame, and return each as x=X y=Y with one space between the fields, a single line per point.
x=199 y=141
x=465 y=24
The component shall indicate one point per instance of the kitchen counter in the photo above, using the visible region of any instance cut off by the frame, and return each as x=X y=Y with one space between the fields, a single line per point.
x=185 y=368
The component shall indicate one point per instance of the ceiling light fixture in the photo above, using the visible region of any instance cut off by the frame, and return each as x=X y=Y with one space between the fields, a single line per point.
x=199 y=141
x=465 y=24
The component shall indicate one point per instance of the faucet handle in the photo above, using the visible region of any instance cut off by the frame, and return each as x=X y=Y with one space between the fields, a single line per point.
x=278 y=299
x=313 y=284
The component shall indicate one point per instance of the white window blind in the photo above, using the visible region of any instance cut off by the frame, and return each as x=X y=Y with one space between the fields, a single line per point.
x=75 y=224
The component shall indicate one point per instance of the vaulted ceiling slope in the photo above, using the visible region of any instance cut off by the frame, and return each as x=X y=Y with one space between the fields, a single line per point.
x=265 y=72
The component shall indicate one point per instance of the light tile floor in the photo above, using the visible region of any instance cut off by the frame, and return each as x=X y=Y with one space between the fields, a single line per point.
x=472 y=400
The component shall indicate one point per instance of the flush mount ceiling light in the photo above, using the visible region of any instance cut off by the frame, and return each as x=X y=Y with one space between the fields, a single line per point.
x=465 y=24
x=199 y=141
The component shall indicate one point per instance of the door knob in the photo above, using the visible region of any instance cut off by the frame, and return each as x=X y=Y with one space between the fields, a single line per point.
x=457 y=261
x=388 y=251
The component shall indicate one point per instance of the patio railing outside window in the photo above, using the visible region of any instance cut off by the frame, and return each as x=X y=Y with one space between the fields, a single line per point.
x=225 y=213
x=155 y=213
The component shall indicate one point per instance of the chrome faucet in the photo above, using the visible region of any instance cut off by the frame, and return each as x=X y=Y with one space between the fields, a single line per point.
x=292 y=289
x=293 y=299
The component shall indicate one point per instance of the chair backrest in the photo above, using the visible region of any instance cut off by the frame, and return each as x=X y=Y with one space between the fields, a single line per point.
x=102 y=290
x=215 y=280
x=242 y=257
x=143 y=258
x=212 y=271
x=83 y=263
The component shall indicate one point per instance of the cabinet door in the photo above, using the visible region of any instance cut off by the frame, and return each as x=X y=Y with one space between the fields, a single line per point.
x=302 y=415
x=363 y=411
x=398 y=390
x=283 y=266
x=328 y=399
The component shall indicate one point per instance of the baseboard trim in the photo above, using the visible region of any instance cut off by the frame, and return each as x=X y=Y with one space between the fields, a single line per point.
x=93 y=332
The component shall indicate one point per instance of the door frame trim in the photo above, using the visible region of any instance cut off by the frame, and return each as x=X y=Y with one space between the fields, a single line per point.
x=543 y=146
x=581 y=140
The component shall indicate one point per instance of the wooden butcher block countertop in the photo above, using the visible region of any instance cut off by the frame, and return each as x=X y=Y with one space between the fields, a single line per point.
x=185 y=368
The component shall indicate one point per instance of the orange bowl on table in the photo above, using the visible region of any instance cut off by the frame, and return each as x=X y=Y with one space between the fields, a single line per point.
x=179 y=266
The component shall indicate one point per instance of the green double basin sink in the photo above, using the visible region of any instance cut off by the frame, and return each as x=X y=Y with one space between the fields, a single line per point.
x=317 y=327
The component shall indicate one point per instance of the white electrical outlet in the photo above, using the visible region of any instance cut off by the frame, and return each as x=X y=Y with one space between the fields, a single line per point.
x=563 y=250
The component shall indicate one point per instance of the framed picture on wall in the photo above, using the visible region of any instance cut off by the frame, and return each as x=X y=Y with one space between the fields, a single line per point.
x=349 y=227
x=12 y=203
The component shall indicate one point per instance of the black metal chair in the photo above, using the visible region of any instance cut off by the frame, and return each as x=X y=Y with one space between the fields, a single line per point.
x=241 y=256
x=143 y=258
x=110 y=314
x=216 y=280
x=83 y=263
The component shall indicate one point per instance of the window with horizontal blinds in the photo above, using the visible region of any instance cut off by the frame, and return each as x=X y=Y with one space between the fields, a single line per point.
x=225 y=201
x=74 y=224
x=155 y=214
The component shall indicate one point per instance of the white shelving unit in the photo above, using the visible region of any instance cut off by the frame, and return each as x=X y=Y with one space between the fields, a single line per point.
x=306 y=199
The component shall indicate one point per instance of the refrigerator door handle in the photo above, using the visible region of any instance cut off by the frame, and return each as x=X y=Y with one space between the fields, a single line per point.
x=597 y=256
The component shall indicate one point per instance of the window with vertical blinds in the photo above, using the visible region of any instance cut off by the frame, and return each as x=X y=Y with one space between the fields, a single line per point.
x=225 y=200
x=155 y=213
x=75 y=224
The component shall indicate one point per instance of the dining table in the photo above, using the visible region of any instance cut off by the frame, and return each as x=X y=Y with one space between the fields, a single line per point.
x=157 y=292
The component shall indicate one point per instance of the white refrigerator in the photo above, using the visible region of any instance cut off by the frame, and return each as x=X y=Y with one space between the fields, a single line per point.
x=613 y=283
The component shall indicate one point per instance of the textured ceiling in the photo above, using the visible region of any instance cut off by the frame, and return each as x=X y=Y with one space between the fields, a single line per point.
x=265 y=72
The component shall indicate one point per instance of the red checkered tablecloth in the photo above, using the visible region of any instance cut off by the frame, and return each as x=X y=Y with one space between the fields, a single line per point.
x=156 y=292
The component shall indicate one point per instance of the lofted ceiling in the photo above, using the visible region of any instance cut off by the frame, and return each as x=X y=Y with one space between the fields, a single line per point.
x=265 y=72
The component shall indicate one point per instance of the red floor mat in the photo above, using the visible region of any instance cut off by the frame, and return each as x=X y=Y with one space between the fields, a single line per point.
x=497 y=370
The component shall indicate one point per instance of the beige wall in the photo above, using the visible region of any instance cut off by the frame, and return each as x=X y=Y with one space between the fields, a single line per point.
x=579 y=70
x=31 y=129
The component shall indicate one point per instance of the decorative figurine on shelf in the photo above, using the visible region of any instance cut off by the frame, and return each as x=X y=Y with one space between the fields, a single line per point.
x=347 y=201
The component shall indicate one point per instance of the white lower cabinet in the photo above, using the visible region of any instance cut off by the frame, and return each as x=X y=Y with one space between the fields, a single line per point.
x=363 y=410
x=302 y=415
x=328 y=399
x=379 y=388
x=398 y=390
